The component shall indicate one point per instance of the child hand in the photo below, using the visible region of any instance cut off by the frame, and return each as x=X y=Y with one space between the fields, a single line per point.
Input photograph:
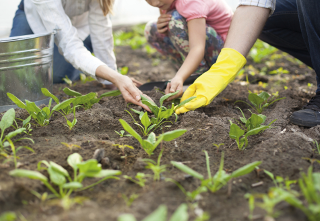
x=176 y=84
x=162 y=23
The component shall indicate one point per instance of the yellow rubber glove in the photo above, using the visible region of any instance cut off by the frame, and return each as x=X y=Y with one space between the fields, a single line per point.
x=211 y=83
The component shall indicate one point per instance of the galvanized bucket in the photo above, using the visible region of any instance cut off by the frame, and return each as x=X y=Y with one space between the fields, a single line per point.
x=25 y=68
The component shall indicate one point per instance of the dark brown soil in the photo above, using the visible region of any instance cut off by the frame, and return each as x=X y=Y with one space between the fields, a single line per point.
x=281 y=149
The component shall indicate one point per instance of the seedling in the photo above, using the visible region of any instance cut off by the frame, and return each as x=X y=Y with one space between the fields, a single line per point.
x=70 y=124
x=70 y=146
x=141 y=179
x=121 y=133
x=59 y=176
x=156 y=168
x=129 y=200
x=221 y=178
x=122 y=147
x=41 y=116
x=124 y=70
x=279 y=71
x=261 y=101
x=317 y=145
x=261 y=50
x=161 y=113
x=25 y=124
x=14 y=152
x=203 y=217
x=218 y=145
x=84 y=79
x=151 y=143
x=253 y=126
x=146 y=126
x=8 y=216
x=88 y=100
x=181 y=214
x=67 y=80
x=6 y=122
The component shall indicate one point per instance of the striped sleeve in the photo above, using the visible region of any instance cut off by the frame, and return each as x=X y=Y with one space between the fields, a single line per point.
x=271 y=4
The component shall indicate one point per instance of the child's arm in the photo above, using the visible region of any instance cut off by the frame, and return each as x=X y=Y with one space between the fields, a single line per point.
x=197 y=42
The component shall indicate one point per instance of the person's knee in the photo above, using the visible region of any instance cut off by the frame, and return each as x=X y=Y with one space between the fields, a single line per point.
x=150 y=29
x=177 y=20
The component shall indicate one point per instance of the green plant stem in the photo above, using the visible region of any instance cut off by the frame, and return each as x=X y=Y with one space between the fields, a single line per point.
x=52 y=189
x=14 y=152
x=87 y=187
x=208 y=165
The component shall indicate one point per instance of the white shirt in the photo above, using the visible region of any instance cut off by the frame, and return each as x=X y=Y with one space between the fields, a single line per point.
x=271 y=4
x=76 y=19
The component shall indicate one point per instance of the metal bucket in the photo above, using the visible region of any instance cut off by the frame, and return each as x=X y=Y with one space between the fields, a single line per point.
x=25 y=68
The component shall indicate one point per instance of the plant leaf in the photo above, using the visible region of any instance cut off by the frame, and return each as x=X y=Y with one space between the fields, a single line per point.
x=106 y=173
x=131 y=131
x=15 y=133
x=59 y=169
x=84 y=99
x=165 y=97
x=184 y=102
x=89 y=168
x=70 y=92
x=126 y=217
x=32 y=107
x=245 y=169
x=152 y=138
x=62 y=105
x=255 y=99
x=56 y=177
x=187 y=170
x=28 y=174
x=74 y=159
x=7 y=119
x=181 y=214
x=145 y=120
x=47 y=93
x=264 y=95
x=72 y=185
x=110 y=93
x=17 y=101
x=159 y=214
x=171 y=135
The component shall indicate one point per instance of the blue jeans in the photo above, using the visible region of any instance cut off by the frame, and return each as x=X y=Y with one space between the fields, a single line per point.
x=294 y=28
x=61 y=67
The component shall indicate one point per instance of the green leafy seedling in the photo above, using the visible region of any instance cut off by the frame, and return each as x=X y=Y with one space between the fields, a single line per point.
x=221 y=178
x=129 y=200
x=253 y=126
x=67 y=80
x=156 y=168
x=151 y=143
x=70 y=146
x=14 y=151
x=317 y=145
x=146 y=126
x=84 y=79
x=140 y=179
x=61 y=178
x=121 y=133
x=71 y=124
x=261 y=101
x=160 y=214
x=8 y=216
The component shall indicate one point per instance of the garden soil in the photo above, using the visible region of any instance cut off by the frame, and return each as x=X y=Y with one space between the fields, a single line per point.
x=282 y=149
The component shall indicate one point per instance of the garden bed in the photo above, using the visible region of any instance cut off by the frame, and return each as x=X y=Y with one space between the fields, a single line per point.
x=281 y=149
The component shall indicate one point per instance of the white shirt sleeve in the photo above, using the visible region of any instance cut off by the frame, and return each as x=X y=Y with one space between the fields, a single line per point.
x=70 y=45
x=271 y=4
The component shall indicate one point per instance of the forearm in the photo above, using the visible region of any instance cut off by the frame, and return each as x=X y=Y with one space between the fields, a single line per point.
x=191 y=63
x=104 y=72
x=246 y=26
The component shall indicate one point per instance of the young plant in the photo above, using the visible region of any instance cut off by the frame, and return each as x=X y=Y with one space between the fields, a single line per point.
x=253 y=126
x=129 y=200
x=41 y=116
x=6 y=122
x=84 y=79
x=70 y=146
x=146 y=127
x=88 y=100
x=150 y=144
x=122 y=147
x=67 y=80
x=161 y=113
x=317 y=145
x=70 y=124
x=218 y=145
x=14 y=152
x=221 y=178
x=61 y=178
x=156 y=168
x=181 y=214
x=141 y=179
x=25 y=124
x=121 y=133
x=261 y=101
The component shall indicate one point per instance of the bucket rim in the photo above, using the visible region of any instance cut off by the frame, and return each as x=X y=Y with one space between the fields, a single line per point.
x=25 y=37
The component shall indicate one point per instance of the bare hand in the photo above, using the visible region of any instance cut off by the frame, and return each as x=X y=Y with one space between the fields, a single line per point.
x=162 y=23
x=176 y=84
x=130 y=92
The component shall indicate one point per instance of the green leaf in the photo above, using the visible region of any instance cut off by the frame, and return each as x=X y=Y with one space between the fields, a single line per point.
x=147 y=146
x=137 y=112
x=8 y=216
x=159 y=215
x=84 y=99
x=56 y=177
x=256 y=130
x=264 y=95
x=32 y=107
x=72 y=185
x=26 y=121
x=110 y=93
x=106 y=173
x=187 y=170
x=47 y=93
x=255 y=99
x=59 y=169
x=255 y=121
x=145 y=120
x=25 y=147
x=171 y=135
x=126 y=217
x=131 y=131
x=89 y=168
x=165 y=97
x=7 y=119
x=15 y=133
x=235 y=132
x=245 y=169
x=46 y=111
x=185 y=101
x=152 y=138
x=70 y=92
x=62 y=105
x=181 y=214
x=28 y=174
x=16 y=100
x=74 y=159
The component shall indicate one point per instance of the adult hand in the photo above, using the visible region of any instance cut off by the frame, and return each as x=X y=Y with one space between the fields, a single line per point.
x=162 y=23
x=212 y=82
x=176 y=84
x=130 y=92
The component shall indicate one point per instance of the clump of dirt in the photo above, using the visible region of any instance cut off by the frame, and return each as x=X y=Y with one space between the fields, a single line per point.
x=281 y=149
